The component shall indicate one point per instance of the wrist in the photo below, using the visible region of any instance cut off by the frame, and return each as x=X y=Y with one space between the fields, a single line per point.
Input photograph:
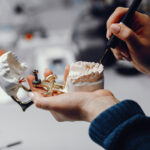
x=96 y=105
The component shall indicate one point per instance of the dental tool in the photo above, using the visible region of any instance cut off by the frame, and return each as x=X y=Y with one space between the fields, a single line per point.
x=113 y=41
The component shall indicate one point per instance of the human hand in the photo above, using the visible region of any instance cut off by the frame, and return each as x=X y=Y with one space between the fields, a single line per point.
x=74 y=106
x=136 y=48
x=77 y=106
x=84 y=106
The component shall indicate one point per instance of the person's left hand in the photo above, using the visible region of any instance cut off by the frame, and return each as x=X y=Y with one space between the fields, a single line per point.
x=83 y=106
x=76 y=106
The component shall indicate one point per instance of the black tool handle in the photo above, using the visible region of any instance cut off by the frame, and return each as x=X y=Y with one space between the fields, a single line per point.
x=14 y=144
x=113 y=41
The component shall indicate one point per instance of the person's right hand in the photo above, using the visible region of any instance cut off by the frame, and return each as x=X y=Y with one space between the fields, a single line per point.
x=137 y=39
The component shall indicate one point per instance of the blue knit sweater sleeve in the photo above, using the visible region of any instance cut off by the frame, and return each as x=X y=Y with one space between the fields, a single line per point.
x=122 y=127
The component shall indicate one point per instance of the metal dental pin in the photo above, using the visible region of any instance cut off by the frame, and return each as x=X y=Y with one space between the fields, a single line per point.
x=49 y=85
x=37 y=81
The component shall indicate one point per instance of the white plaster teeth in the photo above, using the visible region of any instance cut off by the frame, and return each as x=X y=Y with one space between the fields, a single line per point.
x=24 y=66
x=10 y=72
x=7 y=71
x=5 y=65
x=89 y=74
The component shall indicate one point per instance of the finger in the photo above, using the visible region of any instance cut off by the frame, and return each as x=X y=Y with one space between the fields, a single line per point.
x=121 y=52
x=117 y=54
x=30 y=78
x=115 y=18
x=67 y=69
x=47 y=103
x=127 y=35
x=40 y=101
x=39 y=89
x=47 y=72
x=56 y=103
x=139 y=19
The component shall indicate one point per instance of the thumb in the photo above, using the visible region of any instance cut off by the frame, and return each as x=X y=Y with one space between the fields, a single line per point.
x=126 y=34
x=39 y=101
x=67 y=69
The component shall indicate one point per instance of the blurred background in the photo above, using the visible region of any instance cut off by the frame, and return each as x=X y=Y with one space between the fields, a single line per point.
x=51 y=34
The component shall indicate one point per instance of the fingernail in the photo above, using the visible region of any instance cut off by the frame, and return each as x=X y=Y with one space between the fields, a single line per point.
x=31 y=95
x=115 y=28
x=107 y=34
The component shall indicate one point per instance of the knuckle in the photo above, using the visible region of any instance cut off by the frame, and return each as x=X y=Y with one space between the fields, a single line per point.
x=37 y=104
x=119 y=9
x=128 y=35
x=58 y=119
x=146 y=17
x=116 y=53
x=107 y=92
x=104 y=93
x=42 y=106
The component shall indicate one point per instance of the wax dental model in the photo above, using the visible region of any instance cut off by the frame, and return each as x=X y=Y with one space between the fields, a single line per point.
x=10 y=72
x=85 y=76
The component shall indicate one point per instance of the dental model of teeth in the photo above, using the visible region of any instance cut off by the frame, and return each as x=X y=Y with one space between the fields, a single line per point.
x=85 y=76
x=11 y=71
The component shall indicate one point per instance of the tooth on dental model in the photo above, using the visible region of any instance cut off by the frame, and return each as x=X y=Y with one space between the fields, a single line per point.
x=85 y=76
x=11 y=71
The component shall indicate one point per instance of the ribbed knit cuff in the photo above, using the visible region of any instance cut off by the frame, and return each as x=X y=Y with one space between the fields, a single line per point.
x=110 y=119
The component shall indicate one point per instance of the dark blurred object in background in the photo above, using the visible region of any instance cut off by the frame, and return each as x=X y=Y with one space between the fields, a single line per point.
x=19 y=9
x=125 y=68
x=28 y=25
x=90 y=30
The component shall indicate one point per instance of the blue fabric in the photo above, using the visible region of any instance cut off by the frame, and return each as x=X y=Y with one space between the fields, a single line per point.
x=122 y=127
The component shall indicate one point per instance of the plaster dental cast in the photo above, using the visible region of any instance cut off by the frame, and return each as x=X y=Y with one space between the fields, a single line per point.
x=11 y=79
x=83 y=76
x=114 y=125
x=11 y=72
